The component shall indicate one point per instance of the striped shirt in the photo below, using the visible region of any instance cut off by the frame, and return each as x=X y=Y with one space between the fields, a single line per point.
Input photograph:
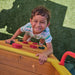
x=43 y=35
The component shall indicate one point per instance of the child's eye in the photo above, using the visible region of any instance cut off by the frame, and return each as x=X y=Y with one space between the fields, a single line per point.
x=35 y=21
x=42 y=22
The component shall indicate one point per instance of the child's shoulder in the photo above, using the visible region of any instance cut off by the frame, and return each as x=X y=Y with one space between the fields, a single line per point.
x=28 y=25
x=46 y=30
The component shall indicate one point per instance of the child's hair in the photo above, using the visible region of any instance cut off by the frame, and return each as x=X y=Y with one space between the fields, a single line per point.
x=41 y=10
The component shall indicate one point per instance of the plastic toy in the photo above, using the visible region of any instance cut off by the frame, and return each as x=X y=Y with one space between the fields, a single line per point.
x=25 y=42
x=33 y=46
x=41 y=47
x=65 y=55
x=20 y=40
x=24 y=61
x=15 y=45
x=35 y=43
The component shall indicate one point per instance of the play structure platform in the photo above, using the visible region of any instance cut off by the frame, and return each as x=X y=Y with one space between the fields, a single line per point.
x=22 y=60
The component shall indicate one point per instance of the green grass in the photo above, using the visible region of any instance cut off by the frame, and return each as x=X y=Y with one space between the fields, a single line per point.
x=69 y=21
x=16 y=13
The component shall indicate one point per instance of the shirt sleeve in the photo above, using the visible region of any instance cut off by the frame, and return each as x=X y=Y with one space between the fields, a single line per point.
x=48 y=37
x=25 y=28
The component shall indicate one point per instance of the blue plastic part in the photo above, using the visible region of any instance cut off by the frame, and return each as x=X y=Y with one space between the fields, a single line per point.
x=11 y=42
x=70 y=67
x=20 y=40
x=41 y=47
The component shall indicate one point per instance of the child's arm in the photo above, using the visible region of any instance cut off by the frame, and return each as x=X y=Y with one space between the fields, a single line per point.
x=43 y=56
x=18 y=32
x=49 y=49
x=26 y=37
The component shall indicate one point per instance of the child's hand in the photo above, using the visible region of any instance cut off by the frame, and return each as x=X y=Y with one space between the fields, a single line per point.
x=42 y=58
x=9 y=40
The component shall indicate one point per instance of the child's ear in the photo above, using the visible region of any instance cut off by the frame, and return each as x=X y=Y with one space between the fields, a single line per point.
x=48 y=24
x=30 y=20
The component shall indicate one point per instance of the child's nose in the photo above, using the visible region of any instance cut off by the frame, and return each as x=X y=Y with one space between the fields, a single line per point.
x=38 y=24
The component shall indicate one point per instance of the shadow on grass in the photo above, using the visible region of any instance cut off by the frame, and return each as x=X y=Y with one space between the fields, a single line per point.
x=19 y=15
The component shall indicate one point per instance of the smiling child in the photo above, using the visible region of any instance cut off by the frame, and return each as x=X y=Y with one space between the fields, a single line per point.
x=37 y=28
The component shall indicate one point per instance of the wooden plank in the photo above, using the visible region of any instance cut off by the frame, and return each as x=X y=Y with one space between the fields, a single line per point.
x=15 y=59
x=7 y=70
x=25 y=63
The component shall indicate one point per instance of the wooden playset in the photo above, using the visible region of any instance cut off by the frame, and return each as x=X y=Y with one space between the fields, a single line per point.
x=19 y=58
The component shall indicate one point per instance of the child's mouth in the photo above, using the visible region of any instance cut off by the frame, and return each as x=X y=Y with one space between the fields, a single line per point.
x=38 y=29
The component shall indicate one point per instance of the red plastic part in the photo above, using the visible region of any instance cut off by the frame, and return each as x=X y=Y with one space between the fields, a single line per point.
x=33 y=46
x=25 y=42
x=15 y=45
x=35 y=43
x=65 y=55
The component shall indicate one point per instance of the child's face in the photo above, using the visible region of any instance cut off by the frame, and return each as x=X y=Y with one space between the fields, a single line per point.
x=39 y=23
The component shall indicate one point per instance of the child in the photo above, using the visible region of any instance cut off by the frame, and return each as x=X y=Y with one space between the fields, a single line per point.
x=37 y=28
